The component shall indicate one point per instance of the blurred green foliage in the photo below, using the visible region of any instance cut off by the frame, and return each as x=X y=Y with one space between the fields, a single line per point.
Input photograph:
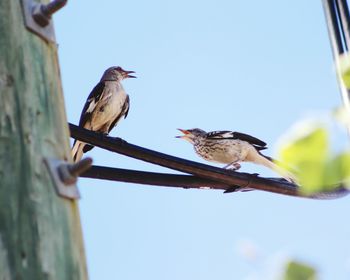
x=299 y=271
x=309 y=155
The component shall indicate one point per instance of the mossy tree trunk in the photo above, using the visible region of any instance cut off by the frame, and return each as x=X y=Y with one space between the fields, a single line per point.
x=40 y=233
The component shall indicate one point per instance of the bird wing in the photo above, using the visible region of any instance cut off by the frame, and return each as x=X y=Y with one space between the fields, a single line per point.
x=220 y=134
x=124 y=112
x=91 y=102
x=259 y=144
x=126 y=106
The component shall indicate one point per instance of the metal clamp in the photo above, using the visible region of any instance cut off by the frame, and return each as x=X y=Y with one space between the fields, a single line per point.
x=38 y=17
x=65 y=175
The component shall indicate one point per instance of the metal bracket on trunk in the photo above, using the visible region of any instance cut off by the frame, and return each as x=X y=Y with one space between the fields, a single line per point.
x=65 y=176
x=37 y=17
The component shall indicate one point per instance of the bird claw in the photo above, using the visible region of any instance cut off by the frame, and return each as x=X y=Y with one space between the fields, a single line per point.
x=232 y=189
x=237 y=189
x=233 y=166
x=102 y=134
x=237 y=166
x=120 y=140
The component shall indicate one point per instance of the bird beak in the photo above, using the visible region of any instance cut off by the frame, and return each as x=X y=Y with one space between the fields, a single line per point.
x=185 y=132
x=129 y=76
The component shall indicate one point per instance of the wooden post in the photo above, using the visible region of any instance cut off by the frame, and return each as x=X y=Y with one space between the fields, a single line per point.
x=40 y=233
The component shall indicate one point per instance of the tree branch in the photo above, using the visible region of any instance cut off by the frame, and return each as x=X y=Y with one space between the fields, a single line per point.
x=218 y=175
x=152 y=178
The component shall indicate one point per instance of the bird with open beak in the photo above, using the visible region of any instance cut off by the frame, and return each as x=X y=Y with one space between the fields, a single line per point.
x=231 y=148
x=105 y=106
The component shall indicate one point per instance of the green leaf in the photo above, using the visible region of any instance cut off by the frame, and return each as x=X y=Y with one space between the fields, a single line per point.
x=299 y=271
x=339 y=170
x=307 y=153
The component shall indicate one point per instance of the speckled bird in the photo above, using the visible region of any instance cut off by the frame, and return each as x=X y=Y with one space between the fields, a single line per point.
x=231 y=148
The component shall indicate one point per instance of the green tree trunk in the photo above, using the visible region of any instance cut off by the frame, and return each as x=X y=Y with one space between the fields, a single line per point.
x=40 y=233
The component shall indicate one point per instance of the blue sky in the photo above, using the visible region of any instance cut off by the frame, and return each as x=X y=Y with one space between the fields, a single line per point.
x=254 y=67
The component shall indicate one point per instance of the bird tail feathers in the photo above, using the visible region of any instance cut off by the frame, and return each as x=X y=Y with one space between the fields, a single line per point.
x=77 y=150
x=272 y=164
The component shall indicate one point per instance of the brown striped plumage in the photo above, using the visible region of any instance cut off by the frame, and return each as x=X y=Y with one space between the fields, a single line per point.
x=231 y=148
